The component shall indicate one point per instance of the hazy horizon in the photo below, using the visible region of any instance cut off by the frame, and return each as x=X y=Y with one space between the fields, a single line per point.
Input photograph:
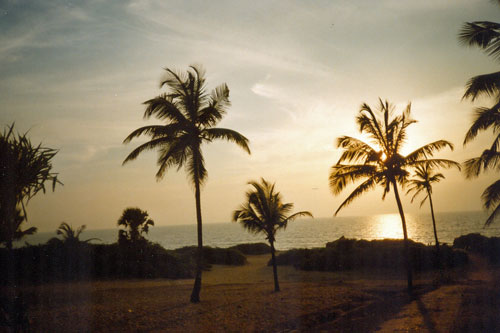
x=76 y=74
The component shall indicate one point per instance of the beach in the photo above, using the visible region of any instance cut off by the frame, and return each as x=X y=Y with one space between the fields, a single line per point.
x=241 y=298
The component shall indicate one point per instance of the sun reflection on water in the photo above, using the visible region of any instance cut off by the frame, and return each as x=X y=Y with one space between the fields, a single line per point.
x=387 y=226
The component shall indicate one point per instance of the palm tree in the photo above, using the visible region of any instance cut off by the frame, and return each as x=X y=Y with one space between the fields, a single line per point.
x=382 y=163
x=190 y=114
x=72 y=236
x=486 y=36
x=137 y=222
x=24 y=170
x=422 y=183
x=264 y=212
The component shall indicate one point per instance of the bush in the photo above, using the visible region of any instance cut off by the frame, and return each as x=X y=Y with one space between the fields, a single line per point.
x=211 y=256
x=60 y=261
x=489 y=247
x=349 y=254
x=252 y=248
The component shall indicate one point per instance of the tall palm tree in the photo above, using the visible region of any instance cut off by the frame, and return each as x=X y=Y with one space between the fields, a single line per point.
x=190 y=115
x=264 y=212
x=381 y=162
x=486 y=36
x=422 y=183
x=137 y=222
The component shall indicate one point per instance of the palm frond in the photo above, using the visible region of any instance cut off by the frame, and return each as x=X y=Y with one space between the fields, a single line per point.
x=368 y=123
x=356 y=150
x=488 y=159
x=427 y=151
x=164 y=107
x=483 y=119
x=153 y=144
x=341 y=175
x=491 y=196
x=226 y=134
x=482 y=34
x=485 y=84
x=367 y=185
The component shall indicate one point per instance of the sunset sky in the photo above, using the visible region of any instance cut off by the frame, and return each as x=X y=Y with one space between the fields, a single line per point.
x=75 y=74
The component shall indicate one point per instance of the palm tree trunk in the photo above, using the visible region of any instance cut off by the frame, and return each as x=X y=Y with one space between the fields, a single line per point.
x=406 y=243
x=195 y=295
x=434 y=226
x=275 y=268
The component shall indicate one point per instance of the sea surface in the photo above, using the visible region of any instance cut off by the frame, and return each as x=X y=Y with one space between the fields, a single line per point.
x=308 y=233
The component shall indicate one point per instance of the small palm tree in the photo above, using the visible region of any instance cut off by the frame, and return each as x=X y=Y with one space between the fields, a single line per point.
x=264 y=212
x=137 y=222
x=72 y=236
x=190 y=114
x=486 y=36
x=422 y=183
x=382 y=163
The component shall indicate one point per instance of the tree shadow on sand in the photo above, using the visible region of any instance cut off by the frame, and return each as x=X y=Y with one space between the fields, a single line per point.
x=361 y=314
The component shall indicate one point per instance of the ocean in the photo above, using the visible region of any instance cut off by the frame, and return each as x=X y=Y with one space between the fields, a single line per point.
x=308 y=233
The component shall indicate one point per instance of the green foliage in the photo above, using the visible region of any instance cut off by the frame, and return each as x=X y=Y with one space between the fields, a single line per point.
x=252 y=248
x=24 y=171
x=351 y=254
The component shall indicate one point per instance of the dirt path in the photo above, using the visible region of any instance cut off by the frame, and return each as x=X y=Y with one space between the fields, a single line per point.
x=466 y=306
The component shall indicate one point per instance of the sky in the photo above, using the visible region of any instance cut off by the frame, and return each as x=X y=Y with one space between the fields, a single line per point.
x=75 y=74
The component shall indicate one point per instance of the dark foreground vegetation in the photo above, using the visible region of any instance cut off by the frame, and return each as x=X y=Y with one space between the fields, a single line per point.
x=65 y=261
x=488 y=247
x=70 y=261
x=349 y=254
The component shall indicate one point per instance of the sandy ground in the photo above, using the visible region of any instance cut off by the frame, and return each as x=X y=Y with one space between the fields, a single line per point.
x=237 y=299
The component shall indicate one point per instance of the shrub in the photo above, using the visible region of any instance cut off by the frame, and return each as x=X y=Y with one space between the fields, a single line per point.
x=252 y=248
x=489 y=247
x=211 y=256
x=61 y=261
x=349 y=254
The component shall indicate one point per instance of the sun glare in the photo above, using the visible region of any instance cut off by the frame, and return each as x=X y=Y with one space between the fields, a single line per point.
x=388 y=226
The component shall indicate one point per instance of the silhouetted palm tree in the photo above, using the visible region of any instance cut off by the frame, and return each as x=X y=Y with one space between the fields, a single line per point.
x=422 y=183
x=137 y=222
x=486 y=36
x=24 y=170
x=264 y=212
x=72 y=236
x=382 y=163
x=190 y=114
